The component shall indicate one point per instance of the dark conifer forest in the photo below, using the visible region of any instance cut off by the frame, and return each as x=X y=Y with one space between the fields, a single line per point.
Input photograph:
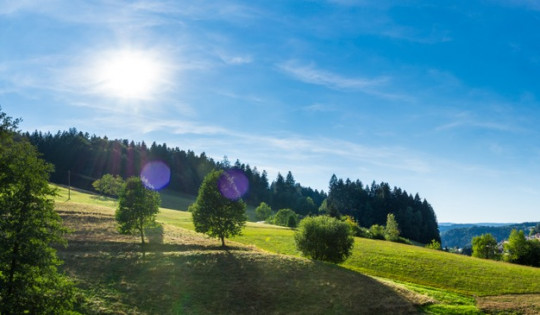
x=88 y=157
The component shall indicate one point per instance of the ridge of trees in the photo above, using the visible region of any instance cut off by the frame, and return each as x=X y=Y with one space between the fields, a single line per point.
x=371 y=205
x=89 y=157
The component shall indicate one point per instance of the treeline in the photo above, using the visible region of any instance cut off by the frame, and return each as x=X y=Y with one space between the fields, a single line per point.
x=82 y=158
x=370 y=205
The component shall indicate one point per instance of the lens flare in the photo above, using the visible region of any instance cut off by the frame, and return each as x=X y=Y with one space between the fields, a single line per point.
x=155 y=175
x=233 y=184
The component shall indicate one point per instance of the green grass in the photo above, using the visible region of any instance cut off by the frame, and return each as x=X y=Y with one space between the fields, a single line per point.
x=400 y=262
x=452 y=280
x=187 y=273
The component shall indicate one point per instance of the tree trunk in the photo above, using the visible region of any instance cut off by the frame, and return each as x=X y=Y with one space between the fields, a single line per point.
x=141 y=228
x=11 y=274
x=222 y=241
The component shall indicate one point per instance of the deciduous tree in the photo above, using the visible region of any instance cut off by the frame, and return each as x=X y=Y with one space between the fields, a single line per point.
x=109 y=185
x=391 y=231
x=263 y=211
x=213 y=213
x=137 y=208
x=485 y=246
x=29 y=226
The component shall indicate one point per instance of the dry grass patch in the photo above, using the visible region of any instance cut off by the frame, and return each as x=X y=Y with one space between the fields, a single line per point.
x=514 y=303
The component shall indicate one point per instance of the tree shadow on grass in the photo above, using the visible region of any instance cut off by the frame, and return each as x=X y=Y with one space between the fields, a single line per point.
x=237 y=282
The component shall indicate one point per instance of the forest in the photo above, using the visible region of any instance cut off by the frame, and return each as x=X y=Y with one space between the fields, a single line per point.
x=80 y=158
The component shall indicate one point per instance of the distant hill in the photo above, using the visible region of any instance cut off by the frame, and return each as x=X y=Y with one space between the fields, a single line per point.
x=447 y=226
x=462 y=236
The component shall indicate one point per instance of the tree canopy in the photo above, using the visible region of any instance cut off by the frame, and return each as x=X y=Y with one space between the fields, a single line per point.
x=485 y=246
x=213 y=213
x=29 y=226
x=137 y=207
x=324 y=238
x=370 y=205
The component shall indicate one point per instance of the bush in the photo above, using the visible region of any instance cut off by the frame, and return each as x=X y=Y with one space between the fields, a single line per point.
x=324 y=238
x=434 y=245
x=355 y=228
x=377 y=232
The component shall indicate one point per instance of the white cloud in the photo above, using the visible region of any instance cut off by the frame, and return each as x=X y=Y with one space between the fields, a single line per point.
x=310 y=74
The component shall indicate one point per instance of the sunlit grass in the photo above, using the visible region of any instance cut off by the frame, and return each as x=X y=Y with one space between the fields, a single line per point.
x=451 y=280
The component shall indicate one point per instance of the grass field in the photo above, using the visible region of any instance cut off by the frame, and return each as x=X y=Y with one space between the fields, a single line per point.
x=453 y=283
x=187 y=273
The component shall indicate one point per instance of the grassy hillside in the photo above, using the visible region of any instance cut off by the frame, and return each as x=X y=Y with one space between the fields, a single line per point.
x=451 y=281
x=187 y=273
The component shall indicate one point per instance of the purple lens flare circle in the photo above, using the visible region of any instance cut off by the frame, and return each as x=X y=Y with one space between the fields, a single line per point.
x=155 y=175
x=233 y=184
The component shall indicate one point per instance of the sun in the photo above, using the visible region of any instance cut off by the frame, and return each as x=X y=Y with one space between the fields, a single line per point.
x=129 y=74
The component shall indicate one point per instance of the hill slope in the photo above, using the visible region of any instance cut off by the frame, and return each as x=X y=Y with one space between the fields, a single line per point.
x=452 y=282
x=185 y=272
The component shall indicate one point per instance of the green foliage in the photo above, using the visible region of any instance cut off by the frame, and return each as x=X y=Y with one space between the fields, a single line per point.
x=516 y=247
x=519 y=250
x=462 y=236
x=377 y=232
x=434 y=245
x=370 y=204
x=263 y=211
x=29 y=226
x=356 y=230
x=391 y=231
x=324 y=238
x=137 y=207
x=485 y=246
x=109 y=185
x=214 y=214
x=283 y=217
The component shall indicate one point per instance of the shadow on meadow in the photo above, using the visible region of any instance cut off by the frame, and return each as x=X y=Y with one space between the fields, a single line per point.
x=187 y=273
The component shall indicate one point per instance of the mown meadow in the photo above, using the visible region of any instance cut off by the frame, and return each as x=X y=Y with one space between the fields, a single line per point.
x=436 y=282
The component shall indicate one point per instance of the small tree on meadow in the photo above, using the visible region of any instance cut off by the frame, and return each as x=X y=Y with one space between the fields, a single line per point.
x=324 y=238
x=109 y=185
x=485 y=246
x=214 y=214
x=263 y=211
x=391 y=231
x=516 y=248
x=137 y=208
x=283 y=218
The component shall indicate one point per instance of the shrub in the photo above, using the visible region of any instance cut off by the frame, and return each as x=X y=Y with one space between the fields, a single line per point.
x=377 y=232
x=434 y=245
x=324 y=238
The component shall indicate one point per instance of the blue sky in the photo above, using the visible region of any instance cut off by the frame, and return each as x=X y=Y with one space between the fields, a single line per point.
x=439 y=98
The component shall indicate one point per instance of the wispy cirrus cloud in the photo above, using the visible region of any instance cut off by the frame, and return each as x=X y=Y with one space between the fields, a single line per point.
x=311 y=74
x=468 y=119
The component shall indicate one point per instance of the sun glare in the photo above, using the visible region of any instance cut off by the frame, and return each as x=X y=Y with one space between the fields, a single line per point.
x=129 y=74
